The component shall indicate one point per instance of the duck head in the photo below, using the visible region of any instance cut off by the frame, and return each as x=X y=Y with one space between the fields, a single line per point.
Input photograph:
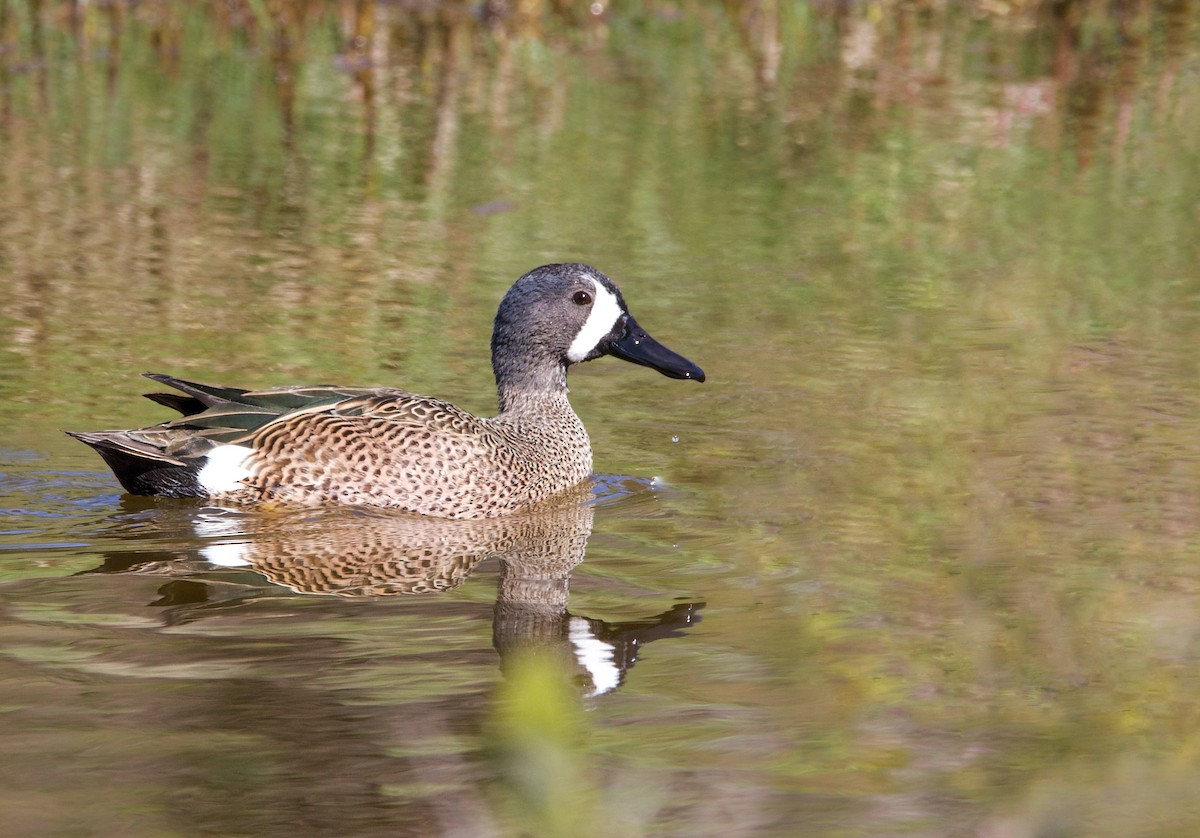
x=556 y=316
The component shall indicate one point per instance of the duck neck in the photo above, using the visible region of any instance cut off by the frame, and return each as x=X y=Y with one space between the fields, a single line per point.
x=527 y=384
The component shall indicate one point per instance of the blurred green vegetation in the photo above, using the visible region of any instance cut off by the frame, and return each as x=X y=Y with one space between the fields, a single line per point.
x=537 y=738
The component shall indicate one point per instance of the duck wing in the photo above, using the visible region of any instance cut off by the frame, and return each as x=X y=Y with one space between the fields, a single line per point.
x=166 y=459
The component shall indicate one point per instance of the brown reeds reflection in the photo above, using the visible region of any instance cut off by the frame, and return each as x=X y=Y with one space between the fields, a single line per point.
x=899 y=52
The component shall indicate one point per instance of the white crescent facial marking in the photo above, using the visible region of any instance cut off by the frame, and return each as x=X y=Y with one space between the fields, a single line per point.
x=605 y=313
x=594 y=655
x=223 y=469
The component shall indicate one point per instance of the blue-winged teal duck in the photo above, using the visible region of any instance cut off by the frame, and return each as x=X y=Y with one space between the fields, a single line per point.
x=391 y=448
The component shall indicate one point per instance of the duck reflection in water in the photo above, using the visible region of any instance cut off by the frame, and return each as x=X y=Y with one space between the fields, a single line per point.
x=370 y=554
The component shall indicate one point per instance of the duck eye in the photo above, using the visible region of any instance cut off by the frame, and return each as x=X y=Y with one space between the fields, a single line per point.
x=582 y=298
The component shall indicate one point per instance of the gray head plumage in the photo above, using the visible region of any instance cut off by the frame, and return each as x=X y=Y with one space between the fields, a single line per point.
x=562 y=314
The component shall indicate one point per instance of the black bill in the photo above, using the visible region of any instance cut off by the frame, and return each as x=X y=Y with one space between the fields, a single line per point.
x=637 y=346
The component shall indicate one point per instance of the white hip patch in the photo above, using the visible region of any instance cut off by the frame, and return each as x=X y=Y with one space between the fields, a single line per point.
x=224 y=469
x=605 y=313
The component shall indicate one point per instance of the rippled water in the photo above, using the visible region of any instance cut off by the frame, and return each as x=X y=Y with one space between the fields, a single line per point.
x=918 y=558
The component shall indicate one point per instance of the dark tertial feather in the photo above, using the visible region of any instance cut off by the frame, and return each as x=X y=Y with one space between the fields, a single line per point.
x=184 y=404
x=205 y=393
x=226 y=414
x=283 y=399
x=275 y=401
x=231 y=416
